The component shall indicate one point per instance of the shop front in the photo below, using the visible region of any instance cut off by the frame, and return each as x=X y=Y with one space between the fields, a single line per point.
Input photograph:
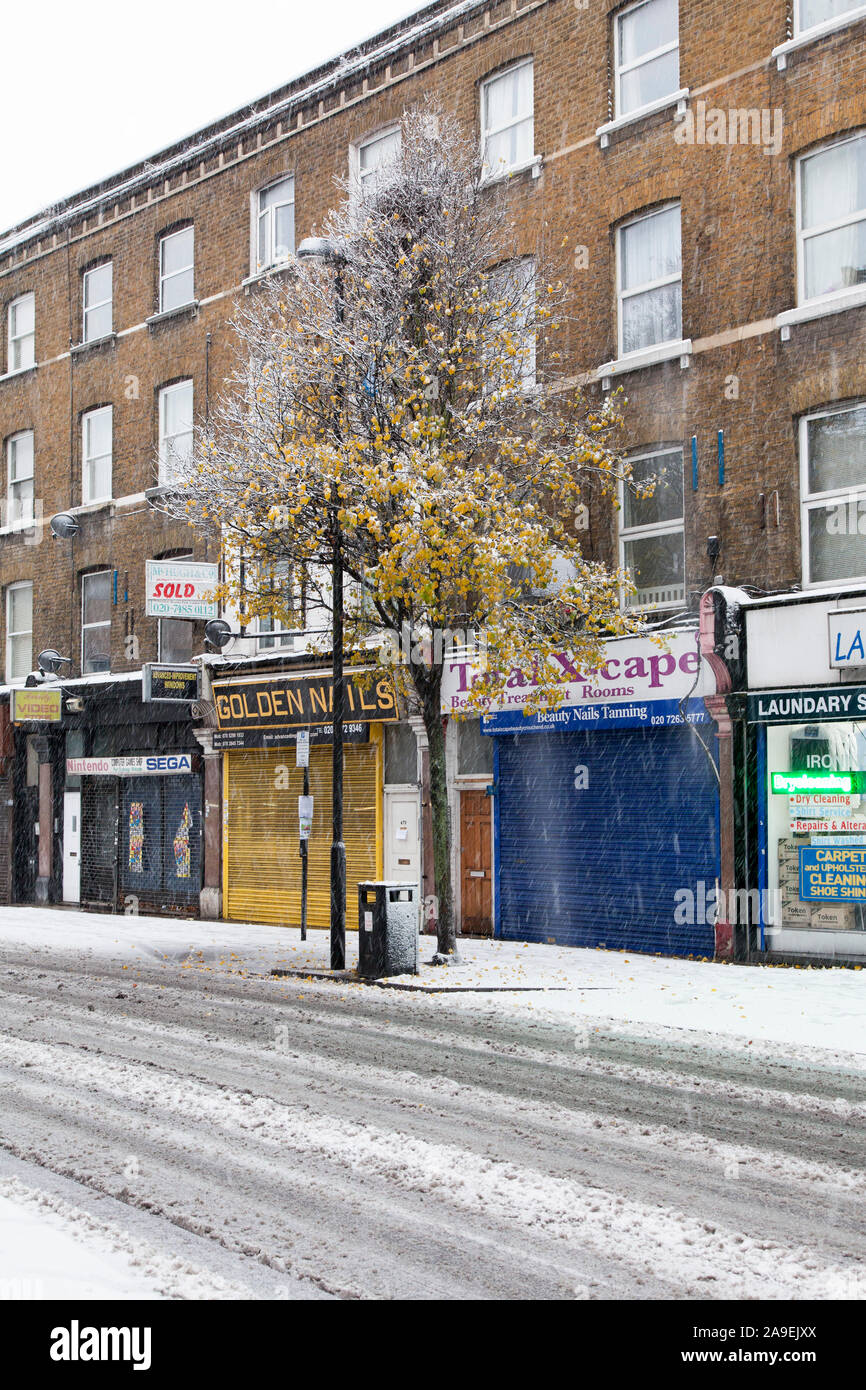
x=132 y=833
x=258 y=719
x=606 y=809
x=811 y=781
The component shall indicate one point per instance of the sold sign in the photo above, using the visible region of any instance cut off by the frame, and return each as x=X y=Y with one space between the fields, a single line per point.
x=181 y=589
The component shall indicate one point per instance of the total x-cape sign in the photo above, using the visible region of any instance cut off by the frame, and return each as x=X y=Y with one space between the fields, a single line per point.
x=638 y=682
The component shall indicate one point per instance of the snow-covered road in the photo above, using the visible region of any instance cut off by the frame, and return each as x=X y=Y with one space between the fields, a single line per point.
x=229 y=1135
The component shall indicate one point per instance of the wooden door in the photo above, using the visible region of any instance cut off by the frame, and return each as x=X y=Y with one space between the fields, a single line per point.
x=476 y=866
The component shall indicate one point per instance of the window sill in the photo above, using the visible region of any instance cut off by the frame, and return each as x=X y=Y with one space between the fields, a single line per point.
x=678 y=99
x=819 y=31
x=17 y=527
x=647 y=357
x=19 y=371
x=836 y=303
x=85 y=508
x=183 y=311
x=154 y=494
x=259 y=276
x=535 y=164
x=93 y=345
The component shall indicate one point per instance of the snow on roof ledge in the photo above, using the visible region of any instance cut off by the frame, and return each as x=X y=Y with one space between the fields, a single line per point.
x=198 y=143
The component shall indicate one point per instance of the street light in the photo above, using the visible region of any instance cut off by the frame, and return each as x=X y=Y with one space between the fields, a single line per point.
x=329 y=252
x=64 y=526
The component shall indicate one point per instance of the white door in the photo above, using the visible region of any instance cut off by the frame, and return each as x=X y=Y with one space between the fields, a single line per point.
x=72 y=847
x=402 y=842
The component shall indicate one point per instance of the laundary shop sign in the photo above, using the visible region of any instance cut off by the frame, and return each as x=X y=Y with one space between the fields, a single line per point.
x=818 y=705
x=294 y=702
x=638 y=683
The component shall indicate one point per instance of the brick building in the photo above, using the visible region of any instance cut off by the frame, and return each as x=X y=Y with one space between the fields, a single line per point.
x=708 y=165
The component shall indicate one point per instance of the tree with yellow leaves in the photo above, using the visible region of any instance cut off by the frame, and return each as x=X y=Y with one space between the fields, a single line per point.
x=406 y=400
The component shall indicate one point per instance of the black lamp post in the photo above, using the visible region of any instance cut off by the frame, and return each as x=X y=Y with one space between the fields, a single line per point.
x=329 y=252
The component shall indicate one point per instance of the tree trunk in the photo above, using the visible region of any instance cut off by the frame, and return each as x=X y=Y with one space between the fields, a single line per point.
x=446 y=934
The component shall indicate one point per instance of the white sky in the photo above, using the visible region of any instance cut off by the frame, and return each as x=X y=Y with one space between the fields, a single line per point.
x=91 y=86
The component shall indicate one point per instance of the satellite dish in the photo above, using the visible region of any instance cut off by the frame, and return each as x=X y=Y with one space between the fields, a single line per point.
x=50 y=660
x=64 y=526
x=218 y=633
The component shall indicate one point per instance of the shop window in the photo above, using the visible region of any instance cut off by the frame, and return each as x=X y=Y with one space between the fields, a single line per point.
x=832 y=219
x=176 y=270
x=833 y=484
x=22 y=333
x=649 y=268
x=372 y=159
x=97 y=310
x=96 y=449
x=21 y=490
x=508 y=121
x=647 y=54
x=474 y=749
x=175 y=430
x=401 y=755
x=808 y=14
x=275 y=224
x=96 y=622
x=652 y=536
x=19 y=631
x=805 y=828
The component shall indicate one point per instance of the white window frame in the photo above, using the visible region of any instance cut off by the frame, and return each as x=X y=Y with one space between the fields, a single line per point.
x=188 y=230
x=492 y=175
x=87 y=458
x=508 y=270
x=22 y=632
x=622 y=294
x=11 y=519
x=674 y=526
x=260 y=267
x=803 y=236
x=359 y=180
x=88 y=627
x=87 y=309
x=816 y=501
x=830 y=21
x=279 y=637
x=13 y=339
x=621 y=68
x=166 y=440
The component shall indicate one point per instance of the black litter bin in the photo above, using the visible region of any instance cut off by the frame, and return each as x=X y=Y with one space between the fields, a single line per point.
x=387 y=929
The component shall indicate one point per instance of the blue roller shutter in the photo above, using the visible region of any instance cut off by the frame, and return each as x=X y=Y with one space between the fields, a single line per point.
x=601 y=865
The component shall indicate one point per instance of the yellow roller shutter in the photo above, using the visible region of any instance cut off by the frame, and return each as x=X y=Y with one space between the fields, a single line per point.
x=262 y=865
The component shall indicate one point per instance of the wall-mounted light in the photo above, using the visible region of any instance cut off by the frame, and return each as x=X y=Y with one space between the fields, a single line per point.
x=51 y=661
x=64 y=526
x=218 y=633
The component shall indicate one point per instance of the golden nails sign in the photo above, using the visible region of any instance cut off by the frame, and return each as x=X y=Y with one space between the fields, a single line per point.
x=289 y=702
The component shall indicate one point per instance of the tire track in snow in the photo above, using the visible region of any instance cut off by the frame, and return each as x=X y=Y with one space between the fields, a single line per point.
x=656 y=1239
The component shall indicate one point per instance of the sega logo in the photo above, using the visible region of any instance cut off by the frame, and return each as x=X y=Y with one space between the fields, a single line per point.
x=169 y=763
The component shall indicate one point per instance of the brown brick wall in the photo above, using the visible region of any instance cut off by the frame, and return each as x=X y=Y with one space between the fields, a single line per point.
x=739 y=268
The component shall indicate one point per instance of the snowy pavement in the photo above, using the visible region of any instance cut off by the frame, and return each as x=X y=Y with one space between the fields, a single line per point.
x=199 y=1129
x=800 y=1008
